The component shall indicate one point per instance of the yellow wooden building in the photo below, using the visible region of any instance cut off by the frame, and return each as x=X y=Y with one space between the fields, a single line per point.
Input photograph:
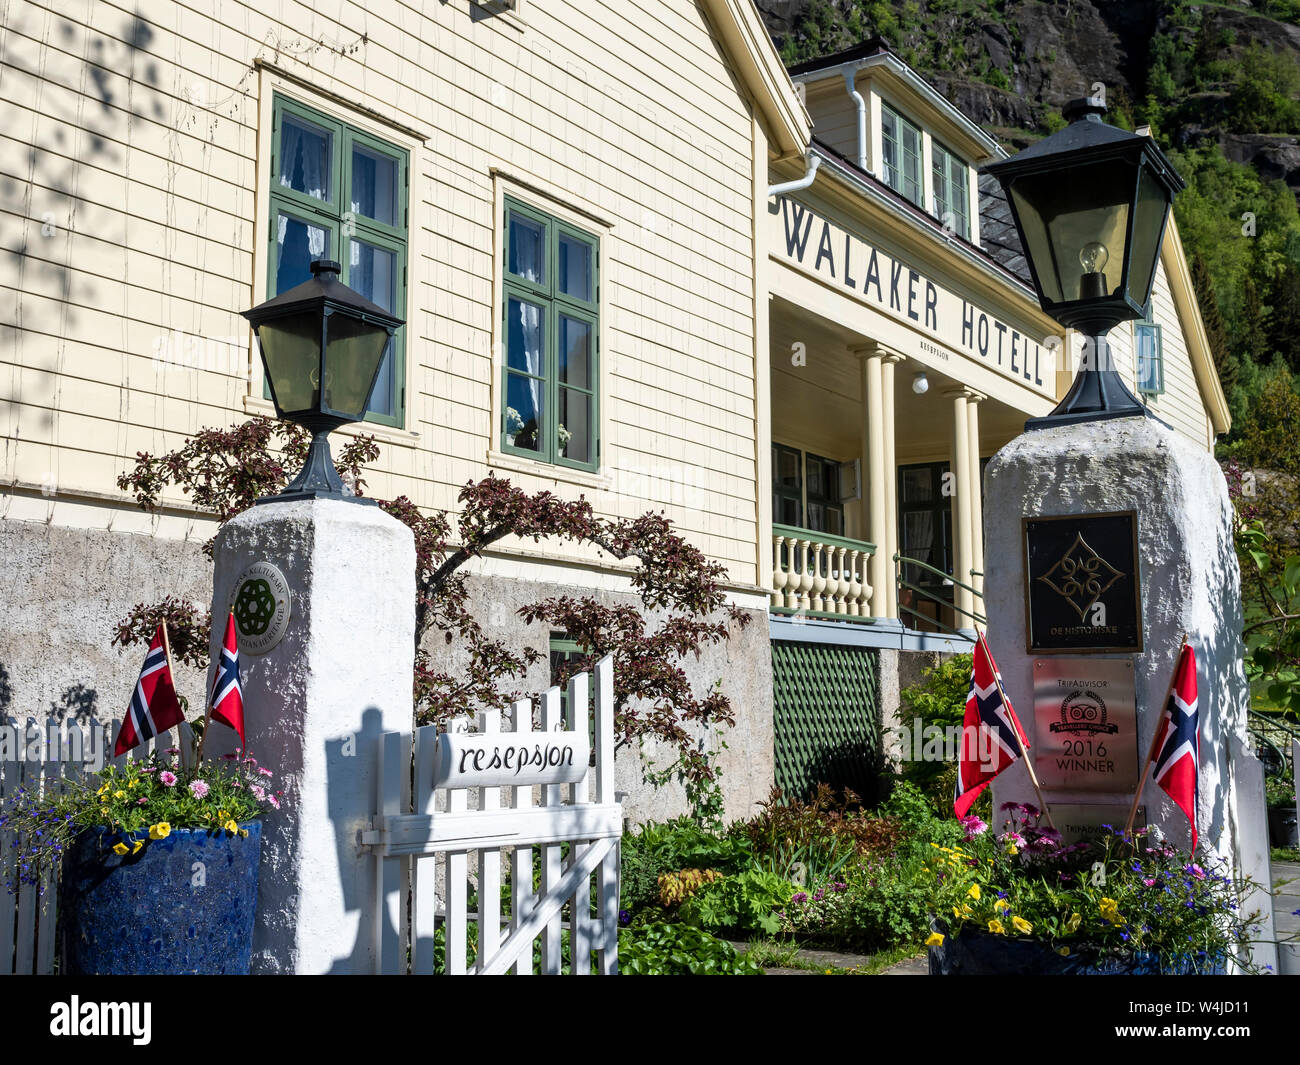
x=638 y=260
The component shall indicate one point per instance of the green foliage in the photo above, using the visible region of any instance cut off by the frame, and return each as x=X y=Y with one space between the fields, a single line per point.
x=658 y=848
x=663 y=949
x=744 y=903
x=939 y=701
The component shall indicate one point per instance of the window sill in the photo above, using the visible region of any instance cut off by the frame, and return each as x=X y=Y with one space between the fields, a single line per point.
x=383 y=434
x=517 y=464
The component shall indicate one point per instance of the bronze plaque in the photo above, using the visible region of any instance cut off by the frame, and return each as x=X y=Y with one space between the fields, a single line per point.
x=1082 y=587
x=1085 y=723
x=1086 y=821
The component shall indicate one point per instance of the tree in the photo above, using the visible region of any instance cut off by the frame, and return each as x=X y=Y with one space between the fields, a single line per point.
x=683 y=605
x=1224 y=362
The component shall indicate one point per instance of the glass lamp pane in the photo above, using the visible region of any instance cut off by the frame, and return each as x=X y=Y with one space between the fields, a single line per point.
x=1062 y=215
x=291 y=354
x=1148 y=227
x=305 y=157
x=352 y=356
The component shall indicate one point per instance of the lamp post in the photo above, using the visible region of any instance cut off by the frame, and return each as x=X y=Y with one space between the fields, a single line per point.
x=322 y=344
x=1090 y=204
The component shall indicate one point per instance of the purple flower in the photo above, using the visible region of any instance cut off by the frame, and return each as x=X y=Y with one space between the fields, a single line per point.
x=821 y=894
x=799 y=896
x=198 y=789
x=624 y=918
x=1195 y=870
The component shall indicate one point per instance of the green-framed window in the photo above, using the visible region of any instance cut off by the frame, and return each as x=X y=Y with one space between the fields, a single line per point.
x=550 y=327
x=804 y=484
x=951 y=178
x=902 y=151
x=339 y=193
x=1147 y=343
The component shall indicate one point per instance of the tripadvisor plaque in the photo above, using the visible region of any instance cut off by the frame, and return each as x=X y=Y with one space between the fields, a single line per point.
x=1085 y=718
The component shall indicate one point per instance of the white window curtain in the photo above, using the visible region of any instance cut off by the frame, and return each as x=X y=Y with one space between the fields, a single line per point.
x=301 y=156
x=530 y=332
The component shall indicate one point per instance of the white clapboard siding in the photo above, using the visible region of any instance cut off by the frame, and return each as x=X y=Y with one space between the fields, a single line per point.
x=29 y=917
x=418 y=828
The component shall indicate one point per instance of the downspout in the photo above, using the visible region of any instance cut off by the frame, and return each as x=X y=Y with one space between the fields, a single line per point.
x=850 y=83
x=799 y=184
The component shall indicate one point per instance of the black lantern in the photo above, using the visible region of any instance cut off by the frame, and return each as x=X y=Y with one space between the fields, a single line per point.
x=322 y=344
x=1090 y=203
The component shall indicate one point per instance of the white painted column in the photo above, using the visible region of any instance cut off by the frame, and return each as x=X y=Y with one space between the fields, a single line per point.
x=890 y=478
x=976 y=502
x=316 y=704
x=961 y=508
x=873 y=472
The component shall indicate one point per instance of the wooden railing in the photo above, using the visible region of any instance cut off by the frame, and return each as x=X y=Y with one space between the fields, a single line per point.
x=818 y=573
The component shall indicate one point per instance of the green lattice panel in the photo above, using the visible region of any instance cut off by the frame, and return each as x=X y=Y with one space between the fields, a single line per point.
x=826 y=717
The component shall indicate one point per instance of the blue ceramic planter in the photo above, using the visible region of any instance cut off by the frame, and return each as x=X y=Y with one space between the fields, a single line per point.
x=975 y=953
x=184 y=904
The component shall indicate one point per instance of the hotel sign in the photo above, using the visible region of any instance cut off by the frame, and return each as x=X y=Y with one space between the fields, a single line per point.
x=814 y=243
x=1082 y=586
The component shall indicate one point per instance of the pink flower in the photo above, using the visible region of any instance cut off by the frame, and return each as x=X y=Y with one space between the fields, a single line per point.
x=198 y=788
x=173 y=750
x=266 y=772
x=167 y=778
x=273 y=801
x=141 y=802
x=259 y=793
x=1196 y=871
x=974 y=826
x=1148 y=882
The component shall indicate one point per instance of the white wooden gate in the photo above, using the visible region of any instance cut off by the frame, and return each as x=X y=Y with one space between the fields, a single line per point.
x=60 y=752
x=420 y=818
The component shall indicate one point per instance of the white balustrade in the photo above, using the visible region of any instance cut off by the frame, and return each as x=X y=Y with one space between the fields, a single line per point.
x=820 y=573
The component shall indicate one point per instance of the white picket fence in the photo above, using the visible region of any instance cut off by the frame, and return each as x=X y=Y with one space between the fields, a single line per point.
x=423 y=827
x=28 y=918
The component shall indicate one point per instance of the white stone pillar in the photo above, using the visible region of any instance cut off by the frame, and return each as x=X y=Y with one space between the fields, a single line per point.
x=890 y=476
x=1189 y=582
x=314 y=705
x=961 y=510
x=873 y=472
x=976 y=503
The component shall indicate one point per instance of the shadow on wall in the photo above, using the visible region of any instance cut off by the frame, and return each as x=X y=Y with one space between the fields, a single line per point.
x=351 y=772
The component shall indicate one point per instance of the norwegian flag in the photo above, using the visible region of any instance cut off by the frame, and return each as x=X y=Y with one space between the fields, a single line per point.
x=154 y=707
x=1178 y=758
x=991 y=738
x=227 y=701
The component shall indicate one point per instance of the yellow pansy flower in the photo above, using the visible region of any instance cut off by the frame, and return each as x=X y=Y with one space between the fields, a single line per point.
x=160 y=831
x=1072 y=925
x=1021 y=925
x=974 y=892
x=1012 y=849
x=119 y=794
x=230 y=826
x=120 y=848
x=1107 y=904
x=1002 y=905
x=934 y=939
x=133 y=784
x=102 y=790
x=995 y=926
x=138 y=844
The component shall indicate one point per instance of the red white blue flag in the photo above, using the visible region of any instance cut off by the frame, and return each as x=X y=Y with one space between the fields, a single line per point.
x=154 y=707
x=227 y=701
x=1178 y=751
x=991 y=738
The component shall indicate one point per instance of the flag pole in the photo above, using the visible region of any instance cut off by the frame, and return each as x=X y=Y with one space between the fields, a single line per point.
x=1155 y=739
x=207 y=720
x=1029 y=764
x=171 y=670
